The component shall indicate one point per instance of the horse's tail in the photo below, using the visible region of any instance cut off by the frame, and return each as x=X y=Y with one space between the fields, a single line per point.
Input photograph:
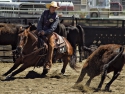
x=72 y=63
x=115 y=58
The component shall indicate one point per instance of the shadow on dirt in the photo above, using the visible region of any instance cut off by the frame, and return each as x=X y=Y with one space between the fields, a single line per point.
x=33 y=75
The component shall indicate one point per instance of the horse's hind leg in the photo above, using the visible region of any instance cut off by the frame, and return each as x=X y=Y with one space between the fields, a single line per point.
x=116 y=74
x=48 y=62
x=65 y=62
x=16 y=64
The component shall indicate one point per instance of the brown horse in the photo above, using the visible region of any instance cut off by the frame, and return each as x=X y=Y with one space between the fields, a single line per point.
x=105 y=59
x=31 y=55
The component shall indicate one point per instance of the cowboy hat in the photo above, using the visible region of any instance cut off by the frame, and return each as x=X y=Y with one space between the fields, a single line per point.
x=53 y=4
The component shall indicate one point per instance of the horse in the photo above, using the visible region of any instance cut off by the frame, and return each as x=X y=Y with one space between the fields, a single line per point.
x=105 y=59
x=9 y=35
x=75 y=35
x=32 y=55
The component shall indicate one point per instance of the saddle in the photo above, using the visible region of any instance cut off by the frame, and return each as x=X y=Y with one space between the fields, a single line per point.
x=60 y=44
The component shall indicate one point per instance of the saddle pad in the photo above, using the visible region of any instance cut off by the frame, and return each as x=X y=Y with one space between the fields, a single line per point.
x=60 y=41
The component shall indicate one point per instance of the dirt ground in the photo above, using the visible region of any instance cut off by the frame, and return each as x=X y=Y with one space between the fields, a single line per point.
x=30 y=82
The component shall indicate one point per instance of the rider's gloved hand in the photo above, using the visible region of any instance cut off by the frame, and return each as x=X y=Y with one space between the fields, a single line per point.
x=41 y=33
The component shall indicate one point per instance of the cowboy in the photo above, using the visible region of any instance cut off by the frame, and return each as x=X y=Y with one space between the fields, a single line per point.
x=46 y=25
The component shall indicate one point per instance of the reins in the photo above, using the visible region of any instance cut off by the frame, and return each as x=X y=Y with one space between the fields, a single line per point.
x=43 y=54
x=39 y=48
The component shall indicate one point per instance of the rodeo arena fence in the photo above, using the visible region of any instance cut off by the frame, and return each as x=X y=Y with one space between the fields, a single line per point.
x=98 y=31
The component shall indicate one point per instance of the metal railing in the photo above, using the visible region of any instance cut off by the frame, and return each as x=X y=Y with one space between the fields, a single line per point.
x=37 y=13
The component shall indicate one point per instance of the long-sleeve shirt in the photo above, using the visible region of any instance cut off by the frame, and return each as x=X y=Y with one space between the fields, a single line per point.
x=48 y=22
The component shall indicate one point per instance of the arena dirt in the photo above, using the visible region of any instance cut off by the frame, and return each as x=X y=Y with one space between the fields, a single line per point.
x=31 y=82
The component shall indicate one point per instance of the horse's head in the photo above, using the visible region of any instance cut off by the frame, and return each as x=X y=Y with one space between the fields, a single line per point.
x=21 y=28
x=22 y=41
x=27 y=42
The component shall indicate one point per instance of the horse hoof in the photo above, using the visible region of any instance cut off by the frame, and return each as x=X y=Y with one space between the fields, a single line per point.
x=8 y=78
x=97 y=89
x=45 y=71
x=107 y=89
x=61 y=73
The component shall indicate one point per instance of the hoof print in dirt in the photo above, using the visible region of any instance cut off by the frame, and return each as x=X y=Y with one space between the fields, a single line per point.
x=82 y=88
x=55 y=76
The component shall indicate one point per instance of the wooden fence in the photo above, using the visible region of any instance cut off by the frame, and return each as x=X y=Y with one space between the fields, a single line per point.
x=5 y=53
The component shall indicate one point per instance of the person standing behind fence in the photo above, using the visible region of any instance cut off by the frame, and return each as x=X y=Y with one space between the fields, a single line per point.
x=46 y=25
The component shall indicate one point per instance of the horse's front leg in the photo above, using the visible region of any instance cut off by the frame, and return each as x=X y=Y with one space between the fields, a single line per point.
x=22 y=68
x=65 y=59
x=48 y=62
x=16 y=64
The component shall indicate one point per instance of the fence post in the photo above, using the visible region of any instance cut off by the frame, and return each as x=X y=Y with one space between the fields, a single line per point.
x=25 y=21
x=123 y=22
x=73 y=18
x=76 y=21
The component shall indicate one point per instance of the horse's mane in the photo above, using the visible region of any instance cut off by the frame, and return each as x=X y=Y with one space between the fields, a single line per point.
x=33 y=34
